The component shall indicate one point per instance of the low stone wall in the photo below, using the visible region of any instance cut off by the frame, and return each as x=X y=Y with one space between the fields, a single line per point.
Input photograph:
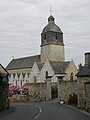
x=69 y=91
x=37 y=92
x=19 y=98
x=87 y=96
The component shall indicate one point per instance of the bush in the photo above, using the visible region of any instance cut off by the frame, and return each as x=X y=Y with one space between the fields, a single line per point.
x=13 y=89
x=72 y=99
x=4 y=102
x=1 y=75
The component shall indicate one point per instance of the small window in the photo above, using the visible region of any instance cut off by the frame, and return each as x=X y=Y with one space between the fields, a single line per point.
x=56 y=36
x=16 y=82
x=13 y=75
x=46 y=74
x=21 y=83
x=71 y=77
x=23 y=75
x=18 y=75
x=35 y=79
x=44 y=36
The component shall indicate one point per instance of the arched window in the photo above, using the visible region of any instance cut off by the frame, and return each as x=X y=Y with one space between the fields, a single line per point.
x=46 y=74
x=44 y=36
x=14 y=75
x=21 y=82
x=23 y=75
x=71 y=77
x=16 y=82
x=18 y=75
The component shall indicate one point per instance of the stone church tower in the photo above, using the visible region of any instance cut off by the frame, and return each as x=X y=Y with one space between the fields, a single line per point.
x=52 y=46
x=51 y=60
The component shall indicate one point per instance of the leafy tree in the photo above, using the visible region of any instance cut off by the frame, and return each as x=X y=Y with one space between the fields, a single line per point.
x=80 y=66
x=1 y=75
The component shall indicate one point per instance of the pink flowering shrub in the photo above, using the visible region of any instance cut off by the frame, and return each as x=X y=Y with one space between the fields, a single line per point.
x=13 y=89
x=24 y=89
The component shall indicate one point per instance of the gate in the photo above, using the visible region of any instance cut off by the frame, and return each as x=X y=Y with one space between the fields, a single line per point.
x=54 y=91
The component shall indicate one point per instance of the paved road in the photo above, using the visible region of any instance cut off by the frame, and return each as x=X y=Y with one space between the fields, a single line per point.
x=42 y=111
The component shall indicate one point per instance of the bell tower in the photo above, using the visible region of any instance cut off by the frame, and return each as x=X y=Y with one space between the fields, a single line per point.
x=52 y=46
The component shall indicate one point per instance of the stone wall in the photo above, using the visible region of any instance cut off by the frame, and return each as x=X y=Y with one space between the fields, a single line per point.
x=71 y=69
x=87 y=95
x=19 y=98
x=4 y=102
x=52 y=52
x=42 y=92
x=68 y=90
x=37 y=92
x=81 y=91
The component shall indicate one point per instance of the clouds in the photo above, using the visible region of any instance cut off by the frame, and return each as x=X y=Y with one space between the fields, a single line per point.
x=31 y=2
x=22 y=21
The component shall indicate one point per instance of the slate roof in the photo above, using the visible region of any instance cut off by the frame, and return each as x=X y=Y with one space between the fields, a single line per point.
x=51 y=26
x=40 y=65
x=1 y=67
x=25 y=62
x=84 y=72
x=60 y=67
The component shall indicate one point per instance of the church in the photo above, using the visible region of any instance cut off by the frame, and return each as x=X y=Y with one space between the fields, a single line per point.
x=51 y=61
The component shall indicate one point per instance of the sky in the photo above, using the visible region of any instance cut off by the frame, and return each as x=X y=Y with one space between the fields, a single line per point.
x=22 y=21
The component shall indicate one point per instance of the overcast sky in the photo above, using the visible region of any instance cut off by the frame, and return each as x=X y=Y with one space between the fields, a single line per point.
x=22 y=21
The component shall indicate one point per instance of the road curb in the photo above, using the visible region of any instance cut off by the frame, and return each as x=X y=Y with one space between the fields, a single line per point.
x=82 y=111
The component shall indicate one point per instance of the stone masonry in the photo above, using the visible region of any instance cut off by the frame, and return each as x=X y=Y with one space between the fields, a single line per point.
x=87 y=95
x=68 y=88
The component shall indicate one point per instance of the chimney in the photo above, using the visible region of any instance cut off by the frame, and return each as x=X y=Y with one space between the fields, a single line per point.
x=87 y=59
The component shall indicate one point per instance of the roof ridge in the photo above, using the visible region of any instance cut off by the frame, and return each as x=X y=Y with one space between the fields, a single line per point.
x=25 y=62
x=59 y=61
x=25 y=57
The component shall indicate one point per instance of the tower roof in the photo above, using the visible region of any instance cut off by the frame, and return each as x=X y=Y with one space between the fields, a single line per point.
x=51 y=26
x=51 y=18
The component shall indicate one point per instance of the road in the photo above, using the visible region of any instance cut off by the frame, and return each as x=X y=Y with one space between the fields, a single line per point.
x=42 y=111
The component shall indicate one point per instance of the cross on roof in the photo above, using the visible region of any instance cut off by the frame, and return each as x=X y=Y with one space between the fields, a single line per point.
x=51 y=10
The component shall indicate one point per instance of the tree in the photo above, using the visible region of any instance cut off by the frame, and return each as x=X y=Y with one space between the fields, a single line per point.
x=1 y=75
x=80 y=66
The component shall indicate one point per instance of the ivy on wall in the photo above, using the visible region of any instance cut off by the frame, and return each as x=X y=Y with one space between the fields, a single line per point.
x=4 y=102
